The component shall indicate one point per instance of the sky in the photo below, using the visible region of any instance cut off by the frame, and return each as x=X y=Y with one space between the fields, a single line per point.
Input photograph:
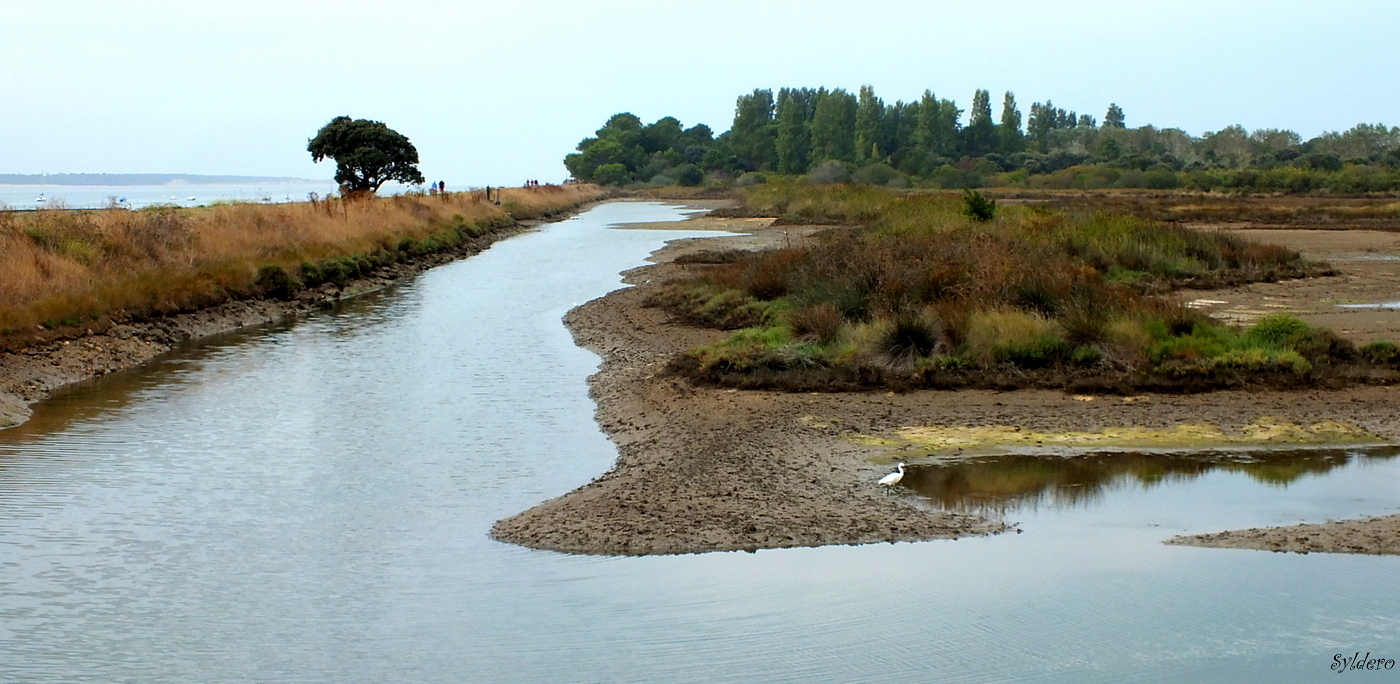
x=498 y=92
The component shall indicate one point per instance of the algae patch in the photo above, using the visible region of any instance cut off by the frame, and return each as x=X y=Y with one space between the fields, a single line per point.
x=1007 y=439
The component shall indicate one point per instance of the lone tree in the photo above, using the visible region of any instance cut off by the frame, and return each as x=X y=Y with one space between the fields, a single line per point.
x=367 y=154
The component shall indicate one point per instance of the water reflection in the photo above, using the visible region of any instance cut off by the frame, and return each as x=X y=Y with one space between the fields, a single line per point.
x=998 y=484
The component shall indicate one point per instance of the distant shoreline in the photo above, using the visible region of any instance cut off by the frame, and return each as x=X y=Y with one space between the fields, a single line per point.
x=141 y=179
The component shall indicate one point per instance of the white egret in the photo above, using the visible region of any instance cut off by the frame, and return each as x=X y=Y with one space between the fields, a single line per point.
x=893 y=478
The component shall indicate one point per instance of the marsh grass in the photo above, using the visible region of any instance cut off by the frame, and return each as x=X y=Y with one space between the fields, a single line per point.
x=60 y=266
x=913 y=287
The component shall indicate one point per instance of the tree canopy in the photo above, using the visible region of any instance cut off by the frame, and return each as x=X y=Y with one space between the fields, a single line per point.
x=931 y=141
x=367 y=154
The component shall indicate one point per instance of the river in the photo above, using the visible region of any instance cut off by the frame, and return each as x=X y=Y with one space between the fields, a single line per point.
x=310 y=502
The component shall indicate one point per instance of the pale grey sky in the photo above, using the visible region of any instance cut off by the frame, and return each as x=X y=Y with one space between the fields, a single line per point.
x=497 y=92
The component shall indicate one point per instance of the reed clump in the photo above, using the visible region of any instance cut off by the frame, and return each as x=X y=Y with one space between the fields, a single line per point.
x=920 y=293
x=61 y=267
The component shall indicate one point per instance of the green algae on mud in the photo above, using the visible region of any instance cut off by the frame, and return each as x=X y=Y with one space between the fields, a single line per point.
x=943 y=441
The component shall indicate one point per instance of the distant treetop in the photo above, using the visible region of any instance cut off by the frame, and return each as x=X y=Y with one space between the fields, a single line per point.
x=927 y=141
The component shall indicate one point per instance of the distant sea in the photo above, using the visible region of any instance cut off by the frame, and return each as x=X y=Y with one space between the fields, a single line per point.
x=97 y=191
x=178 y=193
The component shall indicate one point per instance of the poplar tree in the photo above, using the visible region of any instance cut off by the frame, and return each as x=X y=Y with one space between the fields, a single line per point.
x=926 y=132
x=936 y=131
x=794 y=139
x=834 y=127
x=1009 y=138
x=870 y=113
x=908 y=155
x=890 y=126
x=752 y=135
x=980 y=135
x=1042 y=121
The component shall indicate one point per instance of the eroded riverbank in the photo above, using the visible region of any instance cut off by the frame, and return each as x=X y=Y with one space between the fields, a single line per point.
x=34 y=367
x=709 y=469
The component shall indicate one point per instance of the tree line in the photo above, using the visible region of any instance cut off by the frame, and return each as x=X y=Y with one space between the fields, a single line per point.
x=836 y=135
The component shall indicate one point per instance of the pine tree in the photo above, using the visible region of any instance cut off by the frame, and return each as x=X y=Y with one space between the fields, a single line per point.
x=1114 y=117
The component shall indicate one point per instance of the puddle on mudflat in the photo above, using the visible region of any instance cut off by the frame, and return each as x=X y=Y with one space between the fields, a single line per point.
x=1374 y=305
x=1000 y=484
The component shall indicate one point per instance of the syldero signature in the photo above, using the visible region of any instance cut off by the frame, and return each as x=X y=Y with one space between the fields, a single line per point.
x=1341 y=663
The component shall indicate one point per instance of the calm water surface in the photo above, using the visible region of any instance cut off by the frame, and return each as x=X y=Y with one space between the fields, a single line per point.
x=178 y=194
x=310 y=504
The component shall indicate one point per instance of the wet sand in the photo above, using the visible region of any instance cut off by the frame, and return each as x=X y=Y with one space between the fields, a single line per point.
x=709 y=469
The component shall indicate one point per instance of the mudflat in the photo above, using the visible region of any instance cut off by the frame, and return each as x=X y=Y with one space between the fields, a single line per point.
x=1379 y=535
x=1353 y=303
x=711 y=469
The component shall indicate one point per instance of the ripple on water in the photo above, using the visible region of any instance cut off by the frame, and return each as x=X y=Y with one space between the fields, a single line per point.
x=311 y=504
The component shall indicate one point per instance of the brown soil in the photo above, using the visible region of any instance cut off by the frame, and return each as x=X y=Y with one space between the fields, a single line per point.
x=1379 y=535
x=707 y=469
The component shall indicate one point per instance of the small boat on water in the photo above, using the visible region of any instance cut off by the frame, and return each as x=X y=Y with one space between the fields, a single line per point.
x=190 y=198
x=40 y=199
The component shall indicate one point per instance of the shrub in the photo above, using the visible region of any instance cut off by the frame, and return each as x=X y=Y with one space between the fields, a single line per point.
x=1162 y=179
x=769 y=348
x=829 y=172
x=1016 y=337
x=909 y=337
x=751 y=178
x=726 y=309
x=1086 y=321
x=687 y=174
x=1280 y=331
x=1381 y=353
x=1256 y=360
x=878 y=173
x=274 y=281
x=1286 y=332
x=819 y=322
x=1086 y=355
x=977 y=207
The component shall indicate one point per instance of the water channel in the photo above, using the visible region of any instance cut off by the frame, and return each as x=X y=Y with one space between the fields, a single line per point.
x=310 y=502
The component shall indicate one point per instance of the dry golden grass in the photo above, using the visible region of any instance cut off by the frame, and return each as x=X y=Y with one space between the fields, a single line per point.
x=69 y=266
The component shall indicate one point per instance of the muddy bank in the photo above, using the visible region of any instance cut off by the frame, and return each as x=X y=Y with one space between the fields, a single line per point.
x=709 y=469
x=33 y=366
x=1379 y=535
